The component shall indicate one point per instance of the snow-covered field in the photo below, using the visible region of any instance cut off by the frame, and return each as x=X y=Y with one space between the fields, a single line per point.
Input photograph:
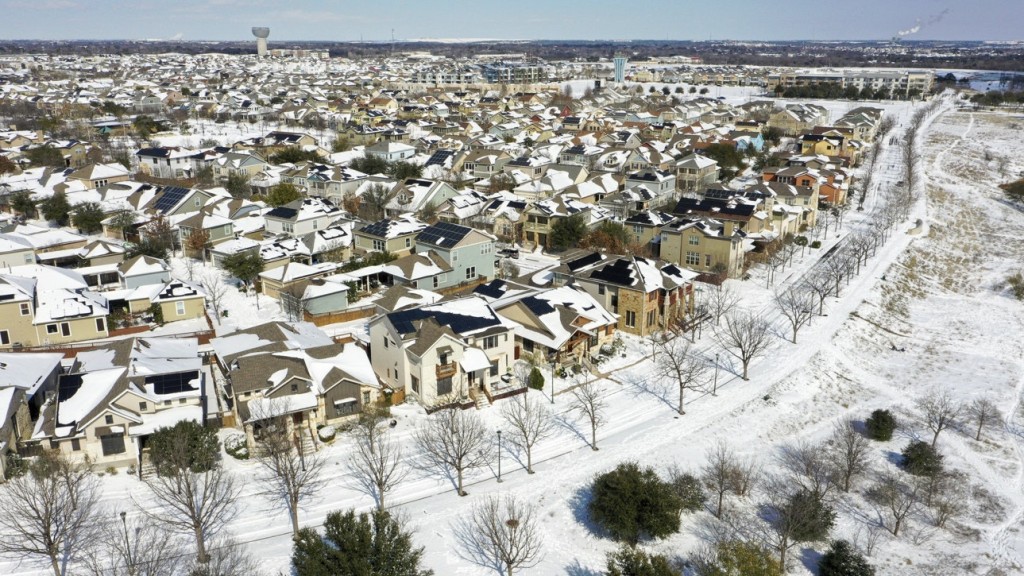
x=943 y=299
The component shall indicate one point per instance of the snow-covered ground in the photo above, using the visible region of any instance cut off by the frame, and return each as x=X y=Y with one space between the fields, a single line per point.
x=943 y=299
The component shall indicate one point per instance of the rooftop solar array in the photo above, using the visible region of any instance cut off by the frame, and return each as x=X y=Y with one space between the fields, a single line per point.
x=584 y=261
x=439 y=157
x=173 y=383
x=403 y=321
x=618 y=272
x=443 y=234
x=170 y=198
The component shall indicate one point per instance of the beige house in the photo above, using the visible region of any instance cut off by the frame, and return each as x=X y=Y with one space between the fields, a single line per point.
x=394 y=235
x=703 y=245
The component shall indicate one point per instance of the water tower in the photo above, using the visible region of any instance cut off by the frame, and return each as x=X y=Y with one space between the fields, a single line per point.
x=620 y=68
x=261 y=35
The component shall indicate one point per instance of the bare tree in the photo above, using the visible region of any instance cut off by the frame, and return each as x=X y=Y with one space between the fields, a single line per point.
x=796 y=306
x=949 y=497
x=681 y=363
x=289 y=475
x=530 y=421
x=227 y=558
x=719 y=300
x=940 y=412
x=897 y=497
x=809 y=467
x=848 y=453
x=718 y=473
x=745 y=336
x=819 y=283
x=454 y=441
x=194 y=502
x=589 y=402
x=216 y=289
x=746 y=474
x=836 y=267
x=501 y=532
x=51 y=512
x=985 y=413
x=135 y=547
x=377 y=461
x=292 y=303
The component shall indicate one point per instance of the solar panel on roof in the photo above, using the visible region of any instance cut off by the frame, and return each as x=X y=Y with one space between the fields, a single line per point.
x=439 y=157
x=170 y=198
x=173 y=383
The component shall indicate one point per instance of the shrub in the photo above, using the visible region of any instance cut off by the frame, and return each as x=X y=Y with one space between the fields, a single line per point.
x=326 y=433
x=689 y=490
x=842 y=560
x=740 y=558
x=920 y=459
x=631 y=503
x=1016 y=283
x=132 y=470
x=816 y=244
x=236 y=447
x=186 y=445
x=881 y=425
x=158 y=314
x=16 y=466
x=111 y=470
x=536 y=379
x=635 y=562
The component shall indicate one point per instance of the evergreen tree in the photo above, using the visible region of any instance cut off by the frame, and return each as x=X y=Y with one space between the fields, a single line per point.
x=46 y=155
x=282 y=194
x=89 y=217
x=21 y=202
x=633 y=503
x=57 y=208
x=293 y=155
x=536 y=379
x=368 y=544
x=881 y=425
x=187 y=445
x=842 y=560
x=635 y=562
x=738 y=558
x=246 y=266
x=920 y=459
x=566 y=232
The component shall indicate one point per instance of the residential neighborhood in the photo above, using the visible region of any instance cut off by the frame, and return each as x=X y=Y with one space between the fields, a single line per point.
x=373 y=283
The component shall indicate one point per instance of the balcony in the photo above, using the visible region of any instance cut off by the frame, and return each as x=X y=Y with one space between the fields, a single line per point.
x=446 y=370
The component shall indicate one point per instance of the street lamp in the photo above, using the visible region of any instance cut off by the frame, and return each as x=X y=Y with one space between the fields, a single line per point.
x=714 y=390
x=499 y=455
x=127 y=544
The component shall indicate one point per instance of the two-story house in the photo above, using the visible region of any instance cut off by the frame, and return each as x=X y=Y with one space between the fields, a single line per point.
x=469 y=252
x=705 y=245
x=302 y=216
x=396 y=236
x=453 y=351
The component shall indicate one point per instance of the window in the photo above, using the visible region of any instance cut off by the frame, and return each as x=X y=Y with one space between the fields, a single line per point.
x=436 y=281
x=196 y=201
x=179 y=307
x=314 y=224
x=490 y=342
x=494 y=369
x=366 y=396
x=378 y=245
x=707 y=260
x=76 y=445
x=51 y=328
x=692 y=258
x=694 y=240
x=65 y=329
x=442 y=358
x=5 y=337
x=182 y=400
x=143 y=406
x=30 y=259
x=408 y=242
x=227 y=229
x=471 y=273
x=26 y=309
x=112 y=444
x=486 y=248
x=108 y=419
x=630 y=318
x=444 y=386
x=650 y=318
x=600 y=289
x=101 y=325
x=415 y=384
x=295 y=387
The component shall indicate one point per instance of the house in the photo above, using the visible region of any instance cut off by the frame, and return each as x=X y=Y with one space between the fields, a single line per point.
x=292 y=278
x=215 y=229
x=177 y=299
x=645 y=294
x=15 y=426
x=391 y=151
x=395 y=236
x=115 y=396
x=418 y=195
x=696 y=172
x=295 y=372
x=166 y=162
x=661 y=184
x=99 y=175
x=16 y=251
x=798 y=118
x=451 y=351
x=703 y=244
x=143 y=270
x=302 y=216
x=43 y=305
x=425 y=270
x=244 y=164
x=565 y=324
x=469 y=252
x=645 y=227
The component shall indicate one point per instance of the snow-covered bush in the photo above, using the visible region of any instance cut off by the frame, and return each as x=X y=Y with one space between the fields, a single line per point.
x=326 y=433
x=236 y=446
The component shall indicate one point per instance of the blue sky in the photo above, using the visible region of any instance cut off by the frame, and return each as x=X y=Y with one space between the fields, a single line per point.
x=345 y=20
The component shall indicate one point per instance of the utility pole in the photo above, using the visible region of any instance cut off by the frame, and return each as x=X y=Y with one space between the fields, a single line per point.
x=499 y=455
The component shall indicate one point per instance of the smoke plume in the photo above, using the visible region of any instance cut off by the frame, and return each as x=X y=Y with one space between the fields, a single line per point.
x=919 y=23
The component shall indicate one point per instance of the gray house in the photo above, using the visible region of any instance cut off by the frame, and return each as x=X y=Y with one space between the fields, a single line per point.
x=143 y=271
x=468 y=251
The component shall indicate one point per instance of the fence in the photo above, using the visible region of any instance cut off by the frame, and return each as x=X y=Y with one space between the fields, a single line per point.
x=340 y=316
